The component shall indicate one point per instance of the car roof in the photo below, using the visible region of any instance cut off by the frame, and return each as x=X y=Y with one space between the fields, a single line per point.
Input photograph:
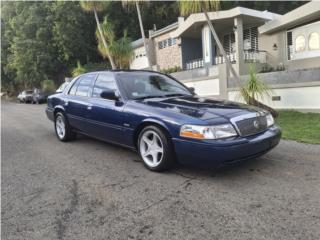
x=124 y=70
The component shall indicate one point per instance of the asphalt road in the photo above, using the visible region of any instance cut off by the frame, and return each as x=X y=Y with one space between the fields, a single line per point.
x=89 y=189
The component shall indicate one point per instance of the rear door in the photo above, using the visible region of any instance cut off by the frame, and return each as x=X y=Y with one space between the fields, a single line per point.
x=105 y=118
x=76 y=103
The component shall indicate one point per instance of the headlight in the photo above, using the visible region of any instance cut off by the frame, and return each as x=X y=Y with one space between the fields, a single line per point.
x=270 y=120
x=208 y=132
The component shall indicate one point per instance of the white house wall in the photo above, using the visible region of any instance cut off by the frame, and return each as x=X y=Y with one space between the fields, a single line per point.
x=140 y=60
x=208 y=87
x=291 y=98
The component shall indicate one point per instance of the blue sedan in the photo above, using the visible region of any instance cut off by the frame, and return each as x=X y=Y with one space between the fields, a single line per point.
x=160 y=118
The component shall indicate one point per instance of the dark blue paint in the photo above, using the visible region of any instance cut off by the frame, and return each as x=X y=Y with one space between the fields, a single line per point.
x=118 y=121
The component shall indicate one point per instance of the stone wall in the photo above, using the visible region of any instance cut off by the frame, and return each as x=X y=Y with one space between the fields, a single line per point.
x=169 y=56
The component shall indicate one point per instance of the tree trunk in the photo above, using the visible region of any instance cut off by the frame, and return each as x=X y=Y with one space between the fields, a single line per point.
x=143 y=35
x=216 y=38
x=103 y=39
x=251 y=100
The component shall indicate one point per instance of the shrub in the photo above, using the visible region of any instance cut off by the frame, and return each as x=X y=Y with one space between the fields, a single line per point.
x=48 y=86
x=89 y=67
x=171 y=70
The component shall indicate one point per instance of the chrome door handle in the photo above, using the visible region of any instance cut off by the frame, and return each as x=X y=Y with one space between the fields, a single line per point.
x=66 y=103
x=89 y=107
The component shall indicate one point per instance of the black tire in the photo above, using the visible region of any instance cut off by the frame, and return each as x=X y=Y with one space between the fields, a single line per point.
x=168 y=156
x=69 y=134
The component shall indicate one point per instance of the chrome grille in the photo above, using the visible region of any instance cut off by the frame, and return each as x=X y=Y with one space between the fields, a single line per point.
x=252 y=126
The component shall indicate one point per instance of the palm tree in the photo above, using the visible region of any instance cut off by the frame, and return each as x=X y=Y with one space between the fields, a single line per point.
x=127 y=3
x=97 y=6
x=120 y=50
x=254 y=89
x=195 y=6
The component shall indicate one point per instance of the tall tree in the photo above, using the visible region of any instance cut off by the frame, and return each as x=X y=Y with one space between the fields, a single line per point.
x=73 y=33
x=127 y=3
x=31 y=54
x=94 y=7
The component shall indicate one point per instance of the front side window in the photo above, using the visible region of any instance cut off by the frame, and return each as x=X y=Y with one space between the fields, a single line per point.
x=314 y=41
x=300 y=43
x=104 y=82
x=145 y=85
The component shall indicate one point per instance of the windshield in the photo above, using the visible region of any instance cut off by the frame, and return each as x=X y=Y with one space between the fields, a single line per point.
x=29 y=92
x=140 y=85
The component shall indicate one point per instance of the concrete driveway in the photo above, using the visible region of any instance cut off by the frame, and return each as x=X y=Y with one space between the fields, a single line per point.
x=89 y=189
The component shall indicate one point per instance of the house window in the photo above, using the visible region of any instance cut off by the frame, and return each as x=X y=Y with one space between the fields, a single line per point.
x=229 y=43
x=289 y=45
x=250 y=39
x=160 y=45
x=300 y=43
x=314 y=41
x=166 y=43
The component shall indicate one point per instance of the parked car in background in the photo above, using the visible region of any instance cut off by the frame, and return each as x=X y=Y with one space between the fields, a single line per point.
x=25 y=96
x=161 y=119
x=39 y=96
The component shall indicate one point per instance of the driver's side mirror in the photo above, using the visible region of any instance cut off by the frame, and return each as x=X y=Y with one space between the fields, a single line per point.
x=110 y=95
x=191 y=89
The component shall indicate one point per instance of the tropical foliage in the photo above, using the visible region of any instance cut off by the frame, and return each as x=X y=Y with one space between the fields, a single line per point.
x=254 y=88
x=48 y=86
x=78 y=70
x=119 y=49
x=44 y=40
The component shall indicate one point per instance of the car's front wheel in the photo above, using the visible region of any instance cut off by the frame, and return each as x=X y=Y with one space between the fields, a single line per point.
x=62 y=128
x=155 y=149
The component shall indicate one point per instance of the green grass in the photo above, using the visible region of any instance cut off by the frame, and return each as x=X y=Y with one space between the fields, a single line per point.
x=301 y=127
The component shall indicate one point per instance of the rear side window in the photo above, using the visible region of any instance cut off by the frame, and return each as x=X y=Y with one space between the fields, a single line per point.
x=104 y=82
x=82 y=86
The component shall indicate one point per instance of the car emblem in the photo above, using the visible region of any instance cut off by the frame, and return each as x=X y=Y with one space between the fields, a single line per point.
x=256 y=124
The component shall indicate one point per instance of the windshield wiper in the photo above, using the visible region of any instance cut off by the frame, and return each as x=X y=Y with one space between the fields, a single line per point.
x=151 y=96
x=176 y=95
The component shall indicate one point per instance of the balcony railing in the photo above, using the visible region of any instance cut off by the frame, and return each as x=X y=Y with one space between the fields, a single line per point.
x=221 y=59
x=249 y=56
x=255 y=56
x=196 y=63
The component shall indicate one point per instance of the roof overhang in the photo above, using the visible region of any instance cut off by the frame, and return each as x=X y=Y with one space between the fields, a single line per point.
x=304 y=14
x=164 y=30
x=195 y=19
x=137 y=43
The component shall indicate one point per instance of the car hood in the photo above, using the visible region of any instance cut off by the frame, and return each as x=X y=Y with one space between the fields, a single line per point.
x=202 y=108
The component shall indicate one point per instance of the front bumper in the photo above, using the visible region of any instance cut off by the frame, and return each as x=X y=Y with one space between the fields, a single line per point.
x=226 y=152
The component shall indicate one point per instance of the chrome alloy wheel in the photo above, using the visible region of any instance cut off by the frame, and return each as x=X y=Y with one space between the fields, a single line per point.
x=151 y=148
x=60 y=127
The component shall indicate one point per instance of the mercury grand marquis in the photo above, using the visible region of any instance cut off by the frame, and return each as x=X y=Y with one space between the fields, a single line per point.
x=160 y=118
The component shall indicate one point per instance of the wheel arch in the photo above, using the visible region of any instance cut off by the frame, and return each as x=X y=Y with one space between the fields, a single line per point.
x=58 y=109
x=150 y=122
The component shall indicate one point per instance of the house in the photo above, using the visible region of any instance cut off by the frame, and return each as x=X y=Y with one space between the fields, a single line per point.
x=285 y=50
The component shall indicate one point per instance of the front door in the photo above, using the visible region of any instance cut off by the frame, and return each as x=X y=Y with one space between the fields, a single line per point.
x=105 y=117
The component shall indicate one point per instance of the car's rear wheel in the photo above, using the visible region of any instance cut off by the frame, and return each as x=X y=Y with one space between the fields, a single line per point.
x=155 y=149
x=62 y=128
